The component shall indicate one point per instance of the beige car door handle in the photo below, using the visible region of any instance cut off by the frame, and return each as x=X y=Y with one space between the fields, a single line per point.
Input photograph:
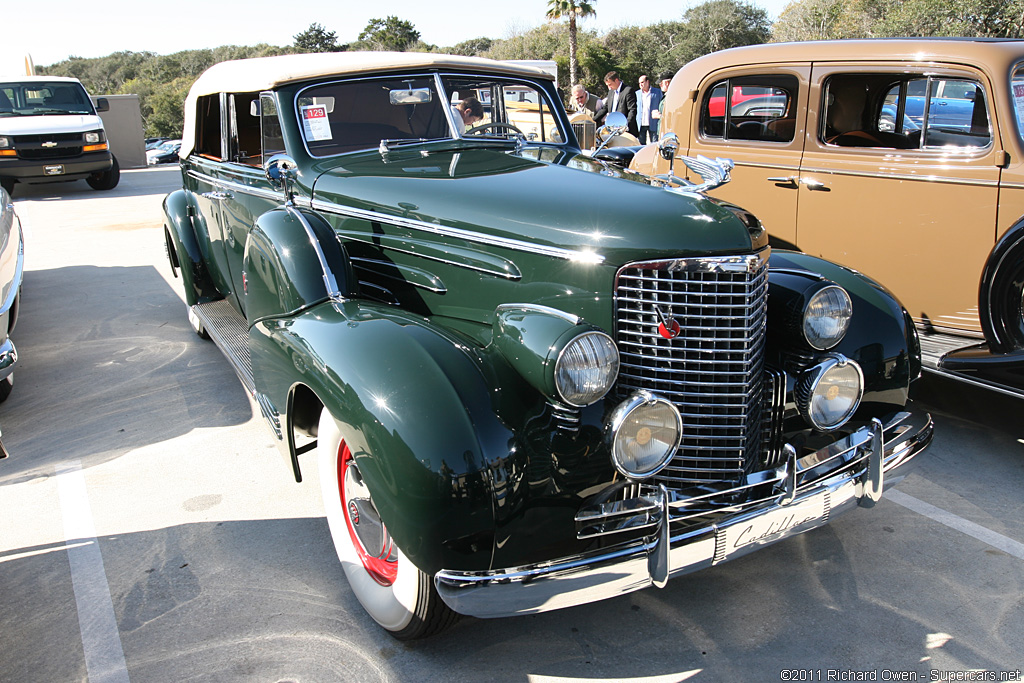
x=813 y=184
x=788 y=181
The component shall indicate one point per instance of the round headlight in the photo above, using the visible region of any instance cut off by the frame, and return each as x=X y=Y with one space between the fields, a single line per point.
x=645 y=432
x=829 y=393
x=586 y=368
x=827 y=317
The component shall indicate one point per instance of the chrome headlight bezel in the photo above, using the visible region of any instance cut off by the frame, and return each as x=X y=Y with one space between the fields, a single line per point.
x=603 y=370
x=811 y=383
x=831 y=303
x=618 y=436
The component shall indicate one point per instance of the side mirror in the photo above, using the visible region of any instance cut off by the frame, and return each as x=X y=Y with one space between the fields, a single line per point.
x=614 y=124
x=102 y=104
x=282 y=172
x=668 y=146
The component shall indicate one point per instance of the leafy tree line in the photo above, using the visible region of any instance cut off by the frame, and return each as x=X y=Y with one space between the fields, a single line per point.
x=162 y=81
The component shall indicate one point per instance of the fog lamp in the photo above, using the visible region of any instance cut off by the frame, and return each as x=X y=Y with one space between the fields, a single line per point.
x=828 y=393
x=644 y=433
x=586 y=368
x=827 y=317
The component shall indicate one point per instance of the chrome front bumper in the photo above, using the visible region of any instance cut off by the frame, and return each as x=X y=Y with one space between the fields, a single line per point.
x=806 y=493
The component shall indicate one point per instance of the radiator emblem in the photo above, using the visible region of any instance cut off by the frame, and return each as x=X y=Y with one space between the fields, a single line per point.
x=667 y=325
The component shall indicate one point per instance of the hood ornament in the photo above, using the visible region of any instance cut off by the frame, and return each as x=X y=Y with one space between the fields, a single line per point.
x=714 y=172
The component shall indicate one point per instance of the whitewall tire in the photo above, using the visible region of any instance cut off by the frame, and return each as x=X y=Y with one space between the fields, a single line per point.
x=396 y=594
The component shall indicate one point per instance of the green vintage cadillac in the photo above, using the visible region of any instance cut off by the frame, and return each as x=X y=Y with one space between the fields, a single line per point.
x=531 y=380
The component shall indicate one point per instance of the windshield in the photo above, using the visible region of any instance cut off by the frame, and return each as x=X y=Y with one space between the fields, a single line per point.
x=42 y=98
x=358 y=115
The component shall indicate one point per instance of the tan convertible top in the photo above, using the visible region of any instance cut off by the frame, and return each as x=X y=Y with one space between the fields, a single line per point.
x=267 y=73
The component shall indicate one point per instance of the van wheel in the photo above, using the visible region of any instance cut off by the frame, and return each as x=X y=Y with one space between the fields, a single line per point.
x=396 y=594
x=106 y=180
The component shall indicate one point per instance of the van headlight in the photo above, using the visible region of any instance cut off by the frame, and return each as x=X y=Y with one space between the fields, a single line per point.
x=644 y=433
x=586 y=368
x=827 y=317
x=829 y=393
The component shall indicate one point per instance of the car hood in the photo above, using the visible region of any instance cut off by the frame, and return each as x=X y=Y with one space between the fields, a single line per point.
x=53 y=123
x=538 y=196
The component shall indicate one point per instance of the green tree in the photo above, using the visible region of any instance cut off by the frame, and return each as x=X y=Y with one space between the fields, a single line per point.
x=810 y=20
x=470 y=48
x=389 y=34
x=317 y=39
x=573 y=10
x=721 y=24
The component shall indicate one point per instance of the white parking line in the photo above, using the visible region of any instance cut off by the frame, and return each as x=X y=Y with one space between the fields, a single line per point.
x=104 y=657
x=996 y=540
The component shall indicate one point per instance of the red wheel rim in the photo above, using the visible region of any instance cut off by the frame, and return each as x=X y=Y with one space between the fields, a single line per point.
x=379 y=560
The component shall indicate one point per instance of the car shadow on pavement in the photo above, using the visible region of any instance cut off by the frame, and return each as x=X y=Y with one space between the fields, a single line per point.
x=108 y=364
x=267 y=600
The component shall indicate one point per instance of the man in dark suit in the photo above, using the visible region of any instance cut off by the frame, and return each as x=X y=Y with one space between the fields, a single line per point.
x=620 y=98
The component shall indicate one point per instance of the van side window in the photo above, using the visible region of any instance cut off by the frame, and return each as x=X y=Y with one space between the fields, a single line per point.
x=759 y=108
x=901 y=111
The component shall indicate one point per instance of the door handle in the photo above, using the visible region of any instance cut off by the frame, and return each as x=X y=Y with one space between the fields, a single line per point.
x=815 y=185
x=788 y=181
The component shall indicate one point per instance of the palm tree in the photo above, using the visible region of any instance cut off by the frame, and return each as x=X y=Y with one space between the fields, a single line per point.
x=572 y=9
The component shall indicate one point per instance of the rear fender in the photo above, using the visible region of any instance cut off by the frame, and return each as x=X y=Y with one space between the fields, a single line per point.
x=183 y=248
x=415 y=407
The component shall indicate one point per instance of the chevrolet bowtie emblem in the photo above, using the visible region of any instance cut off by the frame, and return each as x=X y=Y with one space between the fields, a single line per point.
x=667 y=325
x=49 y=144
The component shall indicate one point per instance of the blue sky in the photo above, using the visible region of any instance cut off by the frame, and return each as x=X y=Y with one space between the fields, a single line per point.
x=53 y=30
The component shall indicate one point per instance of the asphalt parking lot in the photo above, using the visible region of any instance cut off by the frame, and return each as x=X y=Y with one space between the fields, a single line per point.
x=149 y=530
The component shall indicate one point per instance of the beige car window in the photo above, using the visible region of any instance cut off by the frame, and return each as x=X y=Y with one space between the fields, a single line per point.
x=905 y=111
x=757 y=108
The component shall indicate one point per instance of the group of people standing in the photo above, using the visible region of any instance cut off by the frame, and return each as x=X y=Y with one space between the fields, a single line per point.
x=643 y=107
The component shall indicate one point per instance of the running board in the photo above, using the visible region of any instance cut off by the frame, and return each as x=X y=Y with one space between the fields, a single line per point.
x=230 y=332
x=935 y=345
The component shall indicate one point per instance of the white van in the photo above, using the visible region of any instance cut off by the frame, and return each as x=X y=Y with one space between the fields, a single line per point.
x=50 y=132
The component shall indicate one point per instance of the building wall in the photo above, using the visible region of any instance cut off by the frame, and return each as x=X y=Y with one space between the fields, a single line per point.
x=123 y=123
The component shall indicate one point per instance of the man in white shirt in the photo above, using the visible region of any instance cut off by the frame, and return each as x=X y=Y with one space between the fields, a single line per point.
x=647 y=101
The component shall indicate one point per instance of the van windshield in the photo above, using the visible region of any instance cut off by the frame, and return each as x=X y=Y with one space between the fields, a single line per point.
x=43 y=98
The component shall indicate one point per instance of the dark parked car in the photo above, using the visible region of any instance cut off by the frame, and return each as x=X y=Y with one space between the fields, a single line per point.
x=519 y=401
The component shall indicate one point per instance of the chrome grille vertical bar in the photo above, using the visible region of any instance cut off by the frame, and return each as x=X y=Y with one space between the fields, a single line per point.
x=712 y=369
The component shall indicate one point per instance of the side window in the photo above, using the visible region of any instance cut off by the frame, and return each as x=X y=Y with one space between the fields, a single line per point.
x=208 y=130
x=270 y=127
x=897 y=111
x=760 y=108
x=244 y=128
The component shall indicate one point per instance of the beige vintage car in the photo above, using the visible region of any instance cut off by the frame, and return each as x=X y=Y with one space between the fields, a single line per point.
x=902 y=159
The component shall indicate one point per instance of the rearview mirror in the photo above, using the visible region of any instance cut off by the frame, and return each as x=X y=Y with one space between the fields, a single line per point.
x=414 y=96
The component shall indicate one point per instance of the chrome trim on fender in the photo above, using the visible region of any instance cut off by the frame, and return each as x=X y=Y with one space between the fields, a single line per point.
x=570 y=318
x=329 y=281
x=735 y=531
x=458 y=233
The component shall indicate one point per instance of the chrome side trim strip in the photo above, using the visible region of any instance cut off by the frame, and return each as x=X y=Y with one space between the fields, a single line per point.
x=903 y=176
x=457 y=233
x=260 y=192
x=538 y=308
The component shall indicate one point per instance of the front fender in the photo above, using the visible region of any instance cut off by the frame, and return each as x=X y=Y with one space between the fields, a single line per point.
x=187 y=254
x=881 y=337
x=416 y=410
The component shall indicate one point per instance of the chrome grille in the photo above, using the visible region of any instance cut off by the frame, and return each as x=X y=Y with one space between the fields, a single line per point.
x=586 y=132
x=713 y=369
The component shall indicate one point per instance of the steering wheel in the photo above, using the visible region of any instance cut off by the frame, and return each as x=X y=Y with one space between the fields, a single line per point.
x=494 y=124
